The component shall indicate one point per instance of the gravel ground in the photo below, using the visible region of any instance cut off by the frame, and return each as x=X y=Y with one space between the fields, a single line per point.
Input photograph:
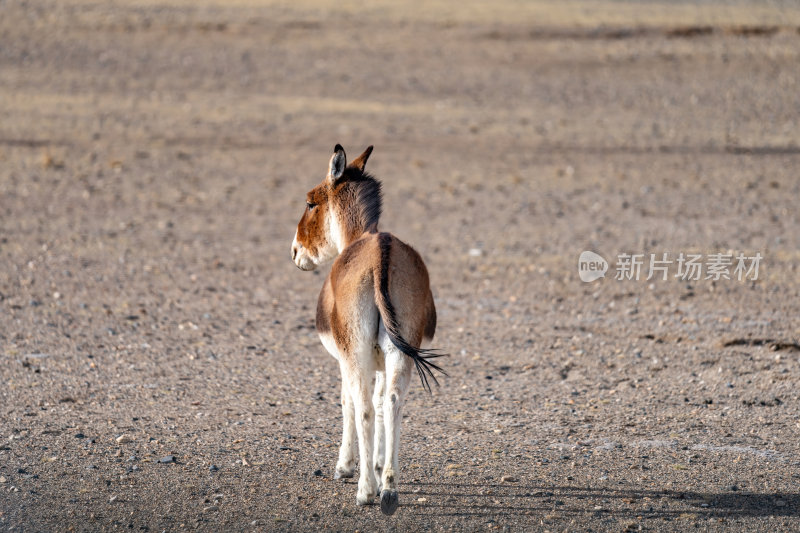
x=160 y=369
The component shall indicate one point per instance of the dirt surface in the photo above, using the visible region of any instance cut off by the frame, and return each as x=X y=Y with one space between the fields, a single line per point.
x=160 y=369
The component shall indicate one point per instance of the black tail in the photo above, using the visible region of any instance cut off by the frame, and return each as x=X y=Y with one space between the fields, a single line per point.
x=421 y=357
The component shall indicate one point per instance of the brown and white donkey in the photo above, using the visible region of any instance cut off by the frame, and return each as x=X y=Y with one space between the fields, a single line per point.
x=374 y=313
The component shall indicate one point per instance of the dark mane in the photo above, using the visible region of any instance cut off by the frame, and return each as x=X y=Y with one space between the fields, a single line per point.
x=363 y=190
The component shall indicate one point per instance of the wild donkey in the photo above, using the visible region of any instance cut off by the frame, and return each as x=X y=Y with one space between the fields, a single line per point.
x=373 y=314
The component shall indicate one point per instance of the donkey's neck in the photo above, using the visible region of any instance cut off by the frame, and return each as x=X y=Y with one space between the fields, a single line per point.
x=347 y=227
x=357 y=210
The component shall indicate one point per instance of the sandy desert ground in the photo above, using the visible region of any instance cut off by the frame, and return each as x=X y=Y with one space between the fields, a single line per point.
x=159 y=365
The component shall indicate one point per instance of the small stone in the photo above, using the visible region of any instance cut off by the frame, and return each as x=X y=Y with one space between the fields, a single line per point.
x=508 y=479
x=217 y=497
x=210 y=508
x=112 y=499
x=317 y=472
x=213 y=468
x=780 y=503
x=3 y=479
x=80 y=436
x=124 y=439
x=422 y=500
x=255 y=523
x=167 y=459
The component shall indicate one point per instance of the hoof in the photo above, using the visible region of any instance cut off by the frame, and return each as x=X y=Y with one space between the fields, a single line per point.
x=389 y=502
x=342 y=475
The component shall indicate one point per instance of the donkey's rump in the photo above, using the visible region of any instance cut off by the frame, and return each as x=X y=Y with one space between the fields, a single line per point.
x=383 y=264
x=405 y=302
x=403 y=279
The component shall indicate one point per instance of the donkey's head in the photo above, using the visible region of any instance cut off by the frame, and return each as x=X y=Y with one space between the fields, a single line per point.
x=339 y=210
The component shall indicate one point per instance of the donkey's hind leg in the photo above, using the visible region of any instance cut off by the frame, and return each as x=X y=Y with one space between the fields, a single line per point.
x=360 y=376
x=346 y=464
x=398 y=378
x=379 y=453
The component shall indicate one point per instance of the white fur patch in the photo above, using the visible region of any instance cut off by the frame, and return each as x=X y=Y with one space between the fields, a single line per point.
x=301 y=256
x=335 y=231
x=329 y=344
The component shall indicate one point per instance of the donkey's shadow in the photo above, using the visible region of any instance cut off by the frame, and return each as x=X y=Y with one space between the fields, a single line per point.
x=457 y=499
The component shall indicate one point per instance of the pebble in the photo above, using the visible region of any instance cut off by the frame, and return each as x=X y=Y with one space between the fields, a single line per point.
x=80 y=436
x=210 y=508
x=508 y=479
x=112 y=499
x=780 y=503
x=124 y=439
x=213 y=468
x=167 y=459
x=3 y=479
x=317 y=472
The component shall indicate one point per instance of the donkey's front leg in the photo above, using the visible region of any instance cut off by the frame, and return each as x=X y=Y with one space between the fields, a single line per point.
x=347 y=452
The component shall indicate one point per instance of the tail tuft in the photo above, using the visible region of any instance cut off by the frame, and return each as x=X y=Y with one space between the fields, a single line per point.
x=421 y=358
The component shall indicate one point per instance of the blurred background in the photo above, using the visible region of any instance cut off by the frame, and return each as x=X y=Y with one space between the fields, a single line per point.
x=154 y=160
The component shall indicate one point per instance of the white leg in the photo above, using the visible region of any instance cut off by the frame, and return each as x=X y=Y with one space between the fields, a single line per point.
x=379 y=456
x=361 y=384
x=398 y=378
x=347 y=452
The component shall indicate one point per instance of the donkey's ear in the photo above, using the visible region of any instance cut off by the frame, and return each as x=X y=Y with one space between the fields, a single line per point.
x=361 y=161
x=337 y=165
